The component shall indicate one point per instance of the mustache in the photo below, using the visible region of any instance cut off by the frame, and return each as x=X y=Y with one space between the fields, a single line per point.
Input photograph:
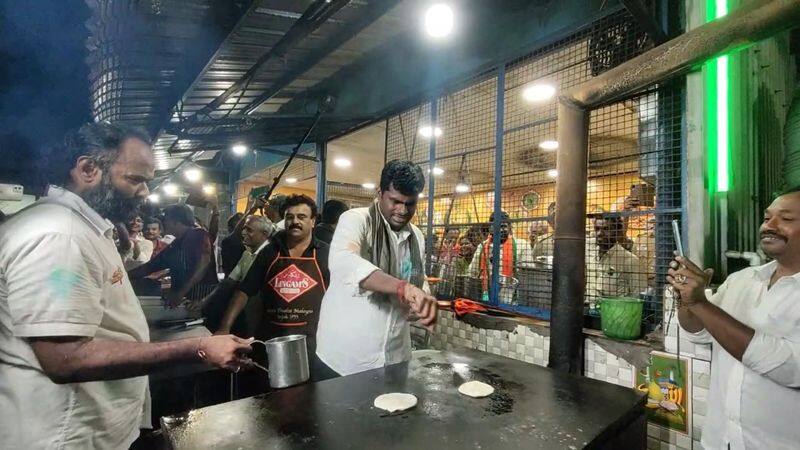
x=772 y=234
x=295 y=227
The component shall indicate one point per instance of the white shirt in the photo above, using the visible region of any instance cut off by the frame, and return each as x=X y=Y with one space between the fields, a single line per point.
x=357 y=330
x=617 y=273
x=145 y=252
x=61 y=275
x=243 y=266
x=753 y=404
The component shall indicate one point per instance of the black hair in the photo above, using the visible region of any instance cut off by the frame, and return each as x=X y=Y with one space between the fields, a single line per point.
x=181 y=214
x=404 y=176
x=504 y=217
x=149 y=220
x=300 y=199
x=100 y=141
x=331 y=211
x=234 y=219
x=278 y=203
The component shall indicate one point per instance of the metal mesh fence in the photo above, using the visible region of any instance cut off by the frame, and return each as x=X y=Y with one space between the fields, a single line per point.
x=633 y=191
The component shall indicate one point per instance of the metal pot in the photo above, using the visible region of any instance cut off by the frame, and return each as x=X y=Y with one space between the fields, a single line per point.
x=287 y=358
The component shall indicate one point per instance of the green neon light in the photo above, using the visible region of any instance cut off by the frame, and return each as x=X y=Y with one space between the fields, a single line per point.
x=717 y=109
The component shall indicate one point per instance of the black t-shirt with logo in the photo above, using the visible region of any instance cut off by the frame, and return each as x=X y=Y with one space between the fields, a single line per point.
x=291 y=288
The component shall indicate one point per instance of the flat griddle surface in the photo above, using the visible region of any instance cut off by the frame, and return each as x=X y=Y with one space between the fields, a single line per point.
x=532 y=407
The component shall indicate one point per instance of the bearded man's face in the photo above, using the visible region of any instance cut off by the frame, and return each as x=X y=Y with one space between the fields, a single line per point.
x=122 y=190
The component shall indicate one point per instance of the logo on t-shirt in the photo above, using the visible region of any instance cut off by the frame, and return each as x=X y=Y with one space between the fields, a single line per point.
x=291 y=283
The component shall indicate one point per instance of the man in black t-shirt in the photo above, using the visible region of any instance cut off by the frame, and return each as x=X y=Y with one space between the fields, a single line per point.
x=291 y=274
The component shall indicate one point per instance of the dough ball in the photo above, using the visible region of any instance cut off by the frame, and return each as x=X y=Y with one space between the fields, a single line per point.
x=395 y=402
x=476 y=389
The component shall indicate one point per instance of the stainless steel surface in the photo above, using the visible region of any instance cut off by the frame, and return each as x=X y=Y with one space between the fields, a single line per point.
x=287 y=358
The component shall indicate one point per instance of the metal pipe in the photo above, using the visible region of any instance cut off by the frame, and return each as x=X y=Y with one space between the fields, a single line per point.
x=322 y=181
x=431 y=163
x=498 y=182
x=569 y=241
x=742 y=27
x=748 y=24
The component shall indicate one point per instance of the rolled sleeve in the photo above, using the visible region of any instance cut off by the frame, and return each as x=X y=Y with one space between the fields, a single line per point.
x=775 y=358
x=54 y=289
x=703 y=336
x=345 y=261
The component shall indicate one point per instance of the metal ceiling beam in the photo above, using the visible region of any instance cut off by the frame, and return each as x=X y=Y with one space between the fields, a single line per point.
x=314 y=17
x=642 y=15
x=200 y=56
x=408 y=69
x=373 y=11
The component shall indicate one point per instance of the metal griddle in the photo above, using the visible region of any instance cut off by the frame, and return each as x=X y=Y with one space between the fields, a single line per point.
x=532 y=407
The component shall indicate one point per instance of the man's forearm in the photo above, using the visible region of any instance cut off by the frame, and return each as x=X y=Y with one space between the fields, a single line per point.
x=734 y=336
x=379 y=281
x=235 y=307
x=689 y=321
x=95 y=360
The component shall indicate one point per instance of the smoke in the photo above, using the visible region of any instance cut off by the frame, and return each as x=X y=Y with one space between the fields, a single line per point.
x=43 y=81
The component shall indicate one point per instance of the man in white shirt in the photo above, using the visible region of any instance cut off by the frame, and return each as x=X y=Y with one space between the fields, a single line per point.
x=377 y=278
x=74 y=347
x=140 y=249
x=612 y=270
x=753 y=324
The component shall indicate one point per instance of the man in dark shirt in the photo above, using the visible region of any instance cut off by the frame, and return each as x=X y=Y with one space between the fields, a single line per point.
x=190 y=258
x=291 y=274
x=330 y=217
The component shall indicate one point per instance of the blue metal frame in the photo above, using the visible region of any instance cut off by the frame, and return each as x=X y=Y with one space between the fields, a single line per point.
x=431 y=163
x=494 y=297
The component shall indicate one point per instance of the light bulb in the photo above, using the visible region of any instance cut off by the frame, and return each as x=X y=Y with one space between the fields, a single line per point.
x=439 y=20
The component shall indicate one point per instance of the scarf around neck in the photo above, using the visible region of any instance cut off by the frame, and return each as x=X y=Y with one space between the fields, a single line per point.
x=383 y=255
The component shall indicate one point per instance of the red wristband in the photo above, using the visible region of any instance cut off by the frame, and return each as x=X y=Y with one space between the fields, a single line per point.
x=401 y=291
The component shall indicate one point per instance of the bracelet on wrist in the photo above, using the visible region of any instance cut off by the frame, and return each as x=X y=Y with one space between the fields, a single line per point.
x=200 y=352
x=401 y=291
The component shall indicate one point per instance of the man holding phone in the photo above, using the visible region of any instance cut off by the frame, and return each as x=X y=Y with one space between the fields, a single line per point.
x=753 y=322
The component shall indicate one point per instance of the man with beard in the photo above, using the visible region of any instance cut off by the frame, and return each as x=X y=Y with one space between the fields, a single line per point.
x=291 y=274
x=377 y=278
x=514 y=253
x=255 y=236
x=190 y=258
x=74 y=350
x=612 y=270
x=753 y=324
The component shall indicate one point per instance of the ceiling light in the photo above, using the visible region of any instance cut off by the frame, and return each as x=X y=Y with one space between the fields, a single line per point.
x=192 y=175
x=342 y=162
x=538 y=92
x=209 y=189
x=291 y=180
x=171 y=189
x=548 y=145
x=427 y=132
x=439 y=20
x=368 y=185
x=239 y=149
x=438 y=171
x=153 y=198
x=552 y=173
x=462 y=188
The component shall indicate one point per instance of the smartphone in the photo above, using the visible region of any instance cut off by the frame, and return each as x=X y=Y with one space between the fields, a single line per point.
x=676 y=233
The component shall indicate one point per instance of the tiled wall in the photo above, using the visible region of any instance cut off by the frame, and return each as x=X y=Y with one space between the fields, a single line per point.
x=524 y=344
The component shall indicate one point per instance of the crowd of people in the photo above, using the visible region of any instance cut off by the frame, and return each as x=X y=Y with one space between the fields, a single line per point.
x=75 y=346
